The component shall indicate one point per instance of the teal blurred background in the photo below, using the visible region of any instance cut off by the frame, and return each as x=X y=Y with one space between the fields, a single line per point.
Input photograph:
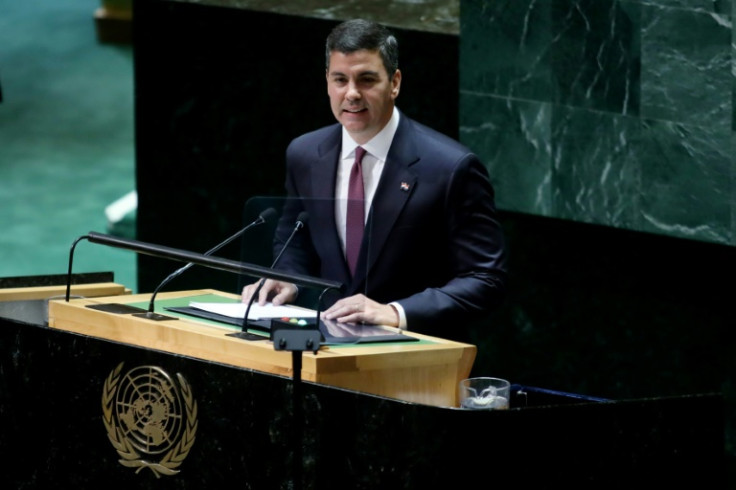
x=66 y=138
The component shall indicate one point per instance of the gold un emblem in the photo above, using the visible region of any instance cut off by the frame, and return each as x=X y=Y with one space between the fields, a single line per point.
x=149 y=417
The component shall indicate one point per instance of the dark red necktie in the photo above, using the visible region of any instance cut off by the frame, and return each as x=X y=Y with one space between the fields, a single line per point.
x=355 y=218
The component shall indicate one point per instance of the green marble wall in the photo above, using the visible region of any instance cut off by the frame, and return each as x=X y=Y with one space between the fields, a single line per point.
x=617 y=113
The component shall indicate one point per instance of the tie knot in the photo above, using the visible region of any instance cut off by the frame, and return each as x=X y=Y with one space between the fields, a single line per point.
x=359 y=154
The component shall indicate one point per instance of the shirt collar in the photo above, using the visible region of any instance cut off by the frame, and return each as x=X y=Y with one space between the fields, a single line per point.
x=379 y=145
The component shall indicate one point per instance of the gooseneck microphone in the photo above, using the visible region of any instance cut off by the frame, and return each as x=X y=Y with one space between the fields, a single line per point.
x=264 y=217
x=301 y=221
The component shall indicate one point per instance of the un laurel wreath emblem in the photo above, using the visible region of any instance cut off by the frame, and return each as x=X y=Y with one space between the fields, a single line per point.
x=149 y=417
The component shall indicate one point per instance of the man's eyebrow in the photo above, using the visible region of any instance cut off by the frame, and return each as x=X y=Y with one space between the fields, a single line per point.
x=371 y=73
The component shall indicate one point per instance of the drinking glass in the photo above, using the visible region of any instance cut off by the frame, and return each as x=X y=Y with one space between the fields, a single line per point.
x=484 y=393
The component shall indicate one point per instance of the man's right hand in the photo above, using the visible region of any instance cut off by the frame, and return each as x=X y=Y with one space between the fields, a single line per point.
x=278 y=292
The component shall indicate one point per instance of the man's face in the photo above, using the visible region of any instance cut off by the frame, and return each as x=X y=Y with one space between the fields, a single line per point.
x=361 y=93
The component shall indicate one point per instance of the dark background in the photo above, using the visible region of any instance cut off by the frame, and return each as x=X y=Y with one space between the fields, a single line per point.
x=592 y=309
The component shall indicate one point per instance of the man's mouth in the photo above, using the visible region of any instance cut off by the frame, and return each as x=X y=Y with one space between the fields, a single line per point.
x=355 y=111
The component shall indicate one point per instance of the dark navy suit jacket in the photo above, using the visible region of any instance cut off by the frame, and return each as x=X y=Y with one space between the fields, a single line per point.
x=432 y=243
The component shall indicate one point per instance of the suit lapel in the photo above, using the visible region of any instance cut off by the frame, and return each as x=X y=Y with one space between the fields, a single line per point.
x=325 y=168
x=394 y=189
x=324 y=230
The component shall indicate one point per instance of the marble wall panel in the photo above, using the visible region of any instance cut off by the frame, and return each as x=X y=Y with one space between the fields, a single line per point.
x=505 y=49
x=686 y=66
x=639 y=102
x=688 y=181
x=516 y=134
x=595 y=54
x=595 y=170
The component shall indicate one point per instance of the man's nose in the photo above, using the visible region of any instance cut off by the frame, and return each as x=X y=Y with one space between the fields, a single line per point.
x=353 y=92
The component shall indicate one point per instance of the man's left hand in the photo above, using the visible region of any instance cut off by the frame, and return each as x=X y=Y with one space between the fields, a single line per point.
x=359 y=309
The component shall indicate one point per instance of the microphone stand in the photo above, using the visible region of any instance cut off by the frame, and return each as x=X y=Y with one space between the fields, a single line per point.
x=297 y=340
x=262 y=218
x=299 y=225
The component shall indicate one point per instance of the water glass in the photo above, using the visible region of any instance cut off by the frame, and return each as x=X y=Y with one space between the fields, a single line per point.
x=484 y=393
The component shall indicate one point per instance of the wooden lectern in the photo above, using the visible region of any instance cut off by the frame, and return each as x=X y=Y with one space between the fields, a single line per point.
x=426 y=371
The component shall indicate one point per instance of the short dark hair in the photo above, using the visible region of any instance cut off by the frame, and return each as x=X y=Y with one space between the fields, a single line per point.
x=354 y=35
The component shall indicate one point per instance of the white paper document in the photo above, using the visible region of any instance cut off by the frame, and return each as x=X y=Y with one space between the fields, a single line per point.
x=257 y=312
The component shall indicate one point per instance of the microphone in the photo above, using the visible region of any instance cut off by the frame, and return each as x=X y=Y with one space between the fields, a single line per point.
x=264 y=217
x=301 y=221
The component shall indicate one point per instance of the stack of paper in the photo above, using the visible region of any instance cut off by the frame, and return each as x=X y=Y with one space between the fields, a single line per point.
x=257 y=312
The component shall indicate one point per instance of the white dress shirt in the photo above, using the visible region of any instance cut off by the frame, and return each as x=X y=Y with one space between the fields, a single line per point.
x=373 y=162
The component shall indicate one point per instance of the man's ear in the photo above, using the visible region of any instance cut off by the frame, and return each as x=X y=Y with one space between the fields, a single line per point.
x=396 y=84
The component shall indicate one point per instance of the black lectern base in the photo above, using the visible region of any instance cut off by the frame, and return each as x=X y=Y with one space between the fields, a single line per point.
x=71 y=409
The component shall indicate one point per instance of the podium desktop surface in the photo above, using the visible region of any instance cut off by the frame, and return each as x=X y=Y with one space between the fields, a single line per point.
x=59 y=291
x=427 y=371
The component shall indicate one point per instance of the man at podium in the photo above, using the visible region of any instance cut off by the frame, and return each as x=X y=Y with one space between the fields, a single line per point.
x=411 y=227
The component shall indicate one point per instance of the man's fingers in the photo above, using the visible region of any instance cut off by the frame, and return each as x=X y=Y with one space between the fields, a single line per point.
x=282 y=297
x=265 y=291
